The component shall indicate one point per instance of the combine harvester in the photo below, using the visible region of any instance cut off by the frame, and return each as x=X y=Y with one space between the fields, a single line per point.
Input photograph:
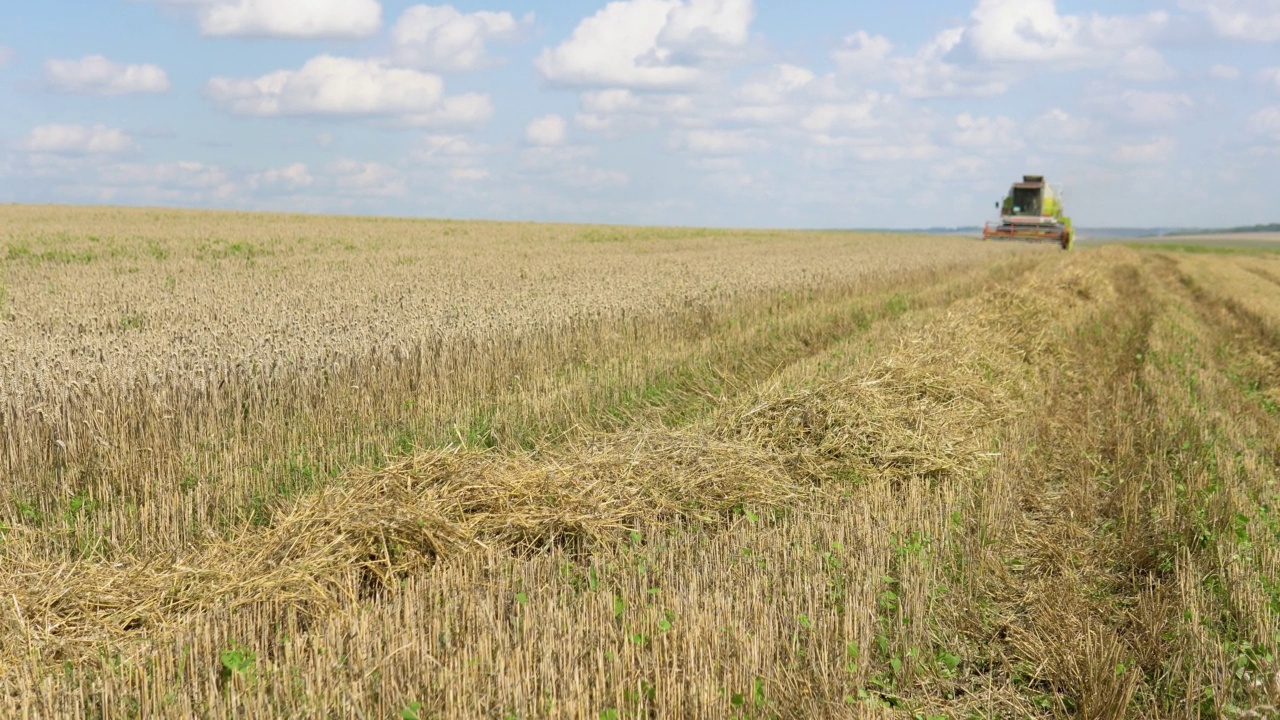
x=1032 y=212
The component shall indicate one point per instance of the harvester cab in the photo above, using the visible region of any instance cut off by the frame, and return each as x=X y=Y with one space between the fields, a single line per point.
x=1032 y=212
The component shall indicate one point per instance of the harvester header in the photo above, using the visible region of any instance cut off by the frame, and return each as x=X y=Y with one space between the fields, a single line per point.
x=1032 y=212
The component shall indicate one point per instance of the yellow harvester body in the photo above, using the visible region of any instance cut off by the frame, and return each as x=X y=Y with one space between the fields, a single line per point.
x=1032 y=211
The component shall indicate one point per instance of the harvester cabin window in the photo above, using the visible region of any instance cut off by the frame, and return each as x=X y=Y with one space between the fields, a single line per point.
x=1026 y=201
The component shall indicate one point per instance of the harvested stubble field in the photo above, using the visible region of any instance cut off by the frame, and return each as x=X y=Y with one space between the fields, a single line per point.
x=275 y=466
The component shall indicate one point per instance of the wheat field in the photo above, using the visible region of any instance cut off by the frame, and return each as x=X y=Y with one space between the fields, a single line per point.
x=298 y=466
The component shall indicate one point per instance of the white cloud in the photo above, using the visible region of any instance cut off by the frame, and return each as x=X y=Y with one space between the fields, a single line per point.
x=1033 y=31
x=764 y=115
x=863 y=55
x=546 y=131
x=966 y=168
x=455 y=111
x=168 y=176
x=441 y=38
x=77 y=140
x=292 y=177
x=718 y=142
x=881 y=149
x=866 y=59
x=6 y=55
x=536 y=158
x=928 y=74
x=996 y=48
x=592 y=178
x=617 y=109
x=328 y=85
x=986 y=133
x=614 y=126
x=1266 y=123
x=457 y=153
x=781 y=83
x=1270 y=77
x=96 y=75
x=1255 y=20
x=1225 y=72
x=701 y=26
x=367 y=178
x=447 y=146
x=1158 y=150
x=878 y=128
x=620 y=101
x=572 y=166
x=1145 y=108
x=847 y=116
x=179 y=182
x=468 y=174
x=649 y=43
x=287 y=18
x=1057 y=126
x=1144 y=65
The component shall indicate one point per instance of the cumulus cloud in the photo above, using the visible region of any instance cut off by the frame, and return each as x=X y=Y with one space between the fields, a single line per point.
x=367 y=178
x=1266 y=123
x=619 y=109
x=1021 y=31
x=458 y=154
x=1056 y=127
x=1225 y=72
x=1144 y=64
x=1254 y=20
x=779 y=95
x=929 y=74
x=853 y=115
x=778 y=86
x=96 y=75
x=291 y=177
x=546 y=131
x=653 y=44
x=1270 y=77
x=287 y=18
x=988 y=134
x=468 y=174
x=997 y=45
x=620 y=100
x=455 y=111
x=863 y=55
x=186 y=174
x=77 y=140
x=434 y=147
x=1139 y=107
x=866 y=59
x=1158 y=150
x=328 y=85
x=594 y=178
x=442 y=38
x=909 y=147
x=706 y=26
x=566 y=165
x=185 y=183
x=718 y=142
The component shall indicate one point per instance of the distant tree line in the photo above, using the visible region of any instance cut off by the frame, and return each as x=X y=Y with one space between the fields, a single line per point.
x=1272 y=227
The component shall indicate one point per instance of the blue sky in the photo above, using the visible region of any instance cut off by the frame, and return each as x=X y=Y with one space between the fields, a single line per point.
x=690 y=112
